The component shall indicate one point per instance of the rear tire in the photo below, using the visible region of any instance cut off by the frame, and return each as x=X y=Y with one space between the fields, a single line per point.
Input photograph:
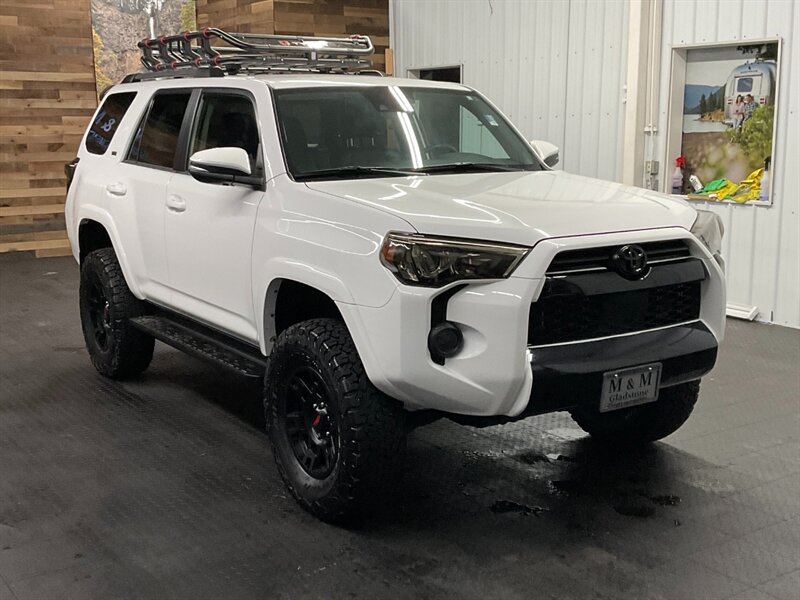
x=338 y=442
x=641 y=424
x=116 y=348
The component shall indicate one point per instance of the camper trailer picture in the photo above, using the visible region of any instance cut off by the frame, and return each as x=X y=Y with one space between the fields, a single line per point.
x=756 y=78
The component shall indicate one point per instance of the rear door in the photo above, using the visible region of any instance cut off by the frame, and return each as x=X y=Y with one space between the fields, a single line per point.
x=209 y=226
x=141 y=183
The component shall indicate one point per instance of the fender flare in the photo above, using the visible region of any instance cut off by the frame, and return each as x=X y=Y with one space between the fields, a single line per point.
x=282 y=269
x=98 y=215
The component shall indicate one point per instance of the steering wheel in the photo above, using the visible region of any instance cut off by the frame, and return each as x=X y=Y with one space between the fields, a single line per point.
x=439 y=149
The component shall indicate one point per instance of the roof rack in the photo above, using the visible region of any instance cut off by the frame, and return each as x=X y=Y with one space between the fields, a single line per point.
x=191 y=53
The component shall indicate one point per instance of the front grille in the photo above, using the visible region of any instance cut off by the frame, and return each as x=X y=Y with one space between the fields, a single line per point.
x=559 y=318
x=599 y=259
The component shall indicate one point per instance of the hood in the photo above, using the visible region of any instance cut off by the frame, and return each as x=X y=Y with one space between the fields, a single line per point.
x=516 y=207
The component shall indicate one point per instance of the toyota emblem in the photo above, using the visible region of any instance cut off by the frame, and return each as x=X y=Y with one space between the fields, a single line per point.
x=631 y=262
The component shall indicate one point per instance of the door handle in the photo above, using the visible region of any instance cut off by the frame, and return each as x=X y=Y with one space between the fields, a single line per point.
x=116 y=189
x=176 y=203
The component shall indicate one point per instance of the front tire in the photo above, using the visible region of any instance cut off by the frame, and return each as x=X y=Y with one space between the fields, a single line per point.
x=641 y=424
x=339 y=443
x=116 y=348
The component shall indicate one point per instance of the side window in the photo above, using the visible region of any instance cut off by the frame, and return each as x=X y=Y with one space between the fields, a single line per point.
x=107 y=120
x=223 y=121
x=157 y=138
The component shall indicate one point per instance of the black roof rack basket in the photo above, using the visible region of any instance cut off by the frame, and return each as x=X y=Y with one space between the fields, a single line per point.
x=231 y=53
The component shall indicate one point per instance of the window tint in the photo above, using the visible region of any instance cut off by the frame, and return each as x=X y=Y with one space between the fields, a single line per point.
x=226 y=120
x=745 y=84
x=157 y=138
x=107 y=120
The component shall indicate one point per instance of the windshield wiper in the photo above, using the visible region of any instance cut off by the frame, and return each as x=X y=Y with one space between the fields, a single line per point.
x=353 y=171
x=469 y=166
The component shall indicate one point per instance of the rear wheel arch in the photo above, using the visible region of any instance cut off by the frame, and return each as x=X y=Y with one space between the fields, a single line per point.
x=92 y=235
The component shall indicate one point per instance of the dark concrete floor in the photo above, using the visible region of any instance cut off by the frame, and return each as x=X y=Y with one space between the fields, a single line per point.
x=164 y=487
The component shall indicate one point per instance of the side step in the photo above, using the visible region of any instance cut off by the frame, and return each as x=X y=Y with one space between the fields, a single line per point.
x=204 y=342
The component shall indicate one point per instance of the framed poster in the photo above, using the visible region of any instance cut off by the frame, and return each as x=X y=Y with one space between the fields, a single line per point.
x=119 y=25
x=725 y=126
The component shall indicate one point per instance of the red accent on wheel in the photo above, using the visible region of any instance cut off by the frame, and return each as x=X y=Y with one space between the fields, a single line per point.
x=316 y=421
x=186 y=35
x=173 y=64
x=206 y=32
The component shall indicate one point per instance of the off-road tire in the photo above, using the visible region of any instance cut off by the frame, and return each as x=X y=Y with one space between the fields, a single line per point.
x=370 y=426
x=124 y=350
x=641 y=424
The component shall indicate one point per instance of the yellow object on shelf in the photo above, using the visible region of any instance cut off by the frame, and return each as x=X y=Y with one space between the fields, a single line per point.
x=749 y=188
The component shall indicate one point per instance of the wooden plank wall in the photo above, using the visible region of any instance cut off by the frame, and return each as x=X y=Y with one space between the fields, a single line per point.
x=47 y=92
x=302 y=17
x=47 y=96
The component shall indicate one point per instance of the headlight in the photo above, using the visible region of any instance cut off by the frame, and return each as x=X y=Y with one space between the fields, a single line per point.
x=434 y=262
x=709 y=230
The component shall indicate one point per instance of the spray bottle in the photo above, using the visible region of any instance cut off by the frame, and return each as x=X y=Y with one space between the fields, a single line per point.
x=677 y=175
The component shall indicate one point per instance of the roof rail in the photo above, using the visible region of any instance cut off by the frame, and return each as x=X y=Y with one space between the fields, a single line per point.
x=191 y=54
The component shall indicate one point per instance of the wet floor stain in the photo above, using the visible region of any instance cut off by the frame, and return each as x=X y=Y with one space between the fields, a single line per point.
x=665 y=500
x=632 y=509
x=567 y=486
x=508 y=506
x=560 y=458
x=531 y=458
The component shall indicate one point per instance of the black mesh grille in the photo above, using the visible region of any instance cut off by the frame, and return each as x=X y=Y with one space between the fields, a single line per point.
x=600 y=258
x=567 y=318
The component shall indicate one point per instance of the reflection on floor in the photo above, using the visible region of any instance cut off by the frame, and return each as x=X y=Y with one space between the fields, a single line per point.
x=163 y=487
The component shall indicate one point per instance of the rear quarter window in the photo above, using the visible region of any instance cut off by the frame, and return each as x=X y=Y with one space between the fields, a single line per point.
x=107 y=120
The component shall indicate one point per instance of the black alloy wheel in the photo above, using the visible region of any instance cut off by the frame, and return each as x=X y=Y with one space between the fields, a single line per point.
x=99 y=312
x=311 y=429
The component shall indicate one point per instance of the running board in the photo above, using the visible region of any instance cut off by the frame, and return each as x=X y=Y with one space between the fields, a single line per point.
x=204 y=342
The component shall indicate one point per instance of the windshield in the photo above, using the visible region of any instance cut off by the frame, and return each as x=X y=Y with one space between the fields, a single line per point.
x=391 y=131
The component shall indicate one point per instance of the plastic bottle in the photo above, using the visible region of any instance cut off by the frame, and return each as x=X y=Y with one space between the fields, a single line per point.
x=763 y=194
x=677 y=176
x=695 y=182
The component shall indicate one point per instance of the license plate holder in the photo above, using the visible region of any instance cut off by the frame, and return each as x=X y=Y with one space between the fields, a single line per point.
x=630 y=387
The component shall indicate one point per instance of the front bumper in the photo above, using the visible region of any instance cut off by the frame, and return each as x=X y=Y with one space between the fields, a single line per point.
x=493 y=375
x=570 y=375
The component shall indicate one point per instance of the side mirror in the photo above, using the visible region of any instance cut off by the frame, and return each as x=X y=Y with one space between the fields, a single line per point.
x=227 y=164
x=547 y=152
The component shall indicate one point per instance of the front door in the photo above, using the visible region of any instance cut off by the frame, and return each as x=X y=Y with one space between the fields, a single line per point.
x=209 y=226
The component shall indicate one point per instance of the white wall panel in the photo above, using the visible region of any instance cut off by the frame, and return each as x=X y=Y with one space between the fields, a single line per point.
x=761 y=243
x=555 y=67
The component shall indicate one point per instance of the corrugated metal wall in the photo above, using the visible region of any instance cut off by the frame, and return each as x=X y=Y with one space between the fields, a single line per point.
x=762 y=244
x=555 y=67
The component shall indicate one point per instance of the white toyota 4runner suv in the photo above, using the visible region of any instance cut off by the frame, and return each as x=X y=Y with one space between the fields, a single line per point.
x=383 y=252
